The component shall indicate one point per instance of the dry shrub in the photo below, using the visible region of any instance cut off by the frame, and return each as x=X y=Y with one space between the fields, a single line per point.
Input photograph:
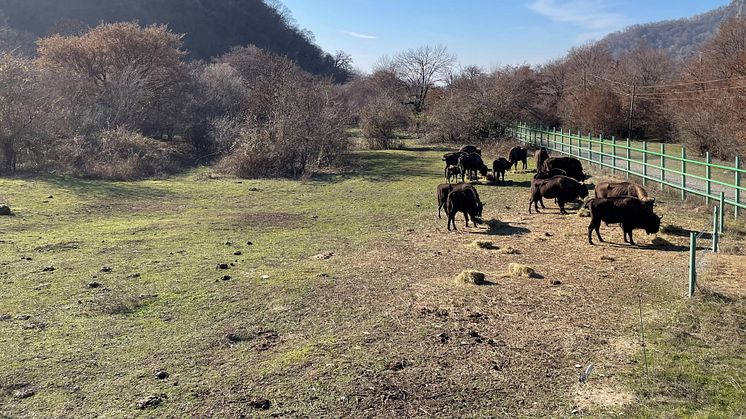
x=379 y=120
x=120 y=154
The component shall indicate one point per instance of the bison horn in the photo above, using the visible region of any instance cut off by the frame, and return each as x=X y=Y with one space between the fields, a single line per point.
x=660 y=218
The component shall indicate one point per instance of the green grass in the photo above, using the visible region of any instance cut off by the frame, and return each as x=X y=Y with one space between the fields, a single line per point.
x=697 y=362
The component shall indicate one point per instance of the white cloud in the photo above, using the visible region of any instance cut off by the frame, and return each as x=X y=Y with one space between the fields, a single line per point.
x=593 y=16
x=360 y=35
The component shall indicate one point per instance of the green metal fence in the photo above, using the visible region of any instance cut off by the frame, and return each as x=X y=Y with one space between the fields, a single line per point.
x=717 y=182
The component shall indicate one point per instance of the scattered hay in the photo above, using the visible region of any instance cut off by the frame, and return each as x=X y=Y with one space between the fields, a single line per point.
x=516 y=269
x=508 y=251
x=584 y=213
x=470 y=277
x=323 y=256
x=661 y=242
x=482 y=244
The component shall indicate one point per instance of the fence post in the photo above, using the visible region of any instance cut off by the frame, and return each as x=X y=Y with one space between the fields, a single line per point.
x=737 y=191
x=613 y=153
x=601 y=148
x=683 y=171
x=692 y=263
x=721 y=221
x=715 y=233
x=663 y=164
x=629 y=157
x=708 y=174
x=645 y=163
x=590 y=149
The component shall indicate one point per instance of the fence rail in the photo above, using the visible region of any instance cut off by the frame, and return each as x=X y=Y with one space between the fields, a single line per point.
x=719 y=182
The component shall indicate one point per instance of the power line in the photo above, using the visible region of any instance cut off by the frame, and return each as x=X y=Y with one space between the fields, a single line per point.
x=658 y=86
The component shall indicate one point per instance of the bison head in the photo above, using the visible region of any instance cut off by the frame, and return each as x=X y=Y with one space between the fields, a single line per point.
x=654 y=225
x=483 y=170
x=582 y=191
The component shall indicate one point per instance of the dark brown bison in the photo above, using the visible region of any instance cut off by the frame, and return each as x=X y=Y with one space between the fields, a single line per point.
x=468 y=149
x=452 y=173
x=631 y=213
x=472 y=164
x=518 y=154
x=499 y=167
x=467 y=202
x=570 y=165
x=539 y=177
x=451 y=159
x=444 y=189
x=621 y=189
x=541 y=155
x=564 y=189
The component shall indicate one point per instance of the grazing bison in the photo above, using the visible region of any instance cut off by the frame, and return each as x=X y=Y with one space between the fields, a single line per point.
x=631 y=213
x=451 y=159
x=443 y=190
x=467 y=202
x=539 y=177
x=468 y=149
x=518 y=154
x=621 y=189
x=452 y=173
x=472 y=164
x=499 y=167
x=563 y=188
x=541 y=156
x=571 y=165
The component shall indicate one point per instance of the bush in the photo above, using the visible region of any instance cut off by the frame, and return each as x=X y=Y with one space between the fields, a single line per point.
x=120 y=154
x=379 y=119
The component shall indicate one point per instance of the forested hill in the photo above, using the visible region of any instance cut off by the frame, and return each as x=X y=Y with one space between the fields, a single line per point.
x=682 y=38
x=212 y=26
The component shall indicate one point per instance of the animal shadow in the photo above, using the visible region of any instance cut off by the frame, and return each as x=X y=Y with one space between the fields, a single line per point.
x=498 y=228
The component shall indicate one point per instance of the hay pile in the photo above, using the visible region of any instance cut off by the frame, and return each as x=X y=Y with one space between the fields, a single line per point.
x=518 y=270
x=584 y=213
x=482 y=244
x=470 y=277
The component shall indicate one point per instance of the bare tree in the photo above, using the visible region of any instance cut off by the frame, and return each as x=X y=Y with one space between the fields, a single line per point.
x=421 y=69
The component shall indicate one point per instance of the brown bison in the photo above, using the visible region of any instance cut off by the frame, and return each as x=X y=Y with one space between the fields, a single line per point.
x=546 y=175
x=622 y=189
x=570 y=165
x=451 y=159
x=472 y=164
x=467 y=202
x=444 y=189
x=452 y=173
x=564 y=189
x=631 y=213
x=499 y=167
x=468 y=149
x=518 y=154
x=541 y=155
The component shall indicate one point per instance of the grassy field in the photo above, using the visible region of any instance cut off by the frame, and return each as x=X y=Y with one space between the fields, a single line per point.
x=339 y=300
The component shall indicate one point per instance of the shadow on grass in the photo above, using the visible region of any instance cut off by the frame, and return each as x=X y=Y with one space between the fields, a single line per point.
x=102 y=189
x=498 y=228
x=381 y=166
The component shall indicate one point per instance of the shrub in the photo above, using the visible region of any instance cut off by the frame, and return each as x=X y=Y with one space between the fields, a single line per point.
x=379 y=119
x=119 y=154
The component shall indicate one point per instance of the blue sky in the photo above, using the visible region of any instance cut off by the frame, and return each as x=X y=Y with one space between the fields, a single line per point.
x=481 y=32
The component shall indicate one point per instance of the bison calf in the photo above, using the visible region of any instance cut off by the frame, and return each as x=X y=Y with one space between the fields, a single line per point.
x=499 y=167
x=631 y=213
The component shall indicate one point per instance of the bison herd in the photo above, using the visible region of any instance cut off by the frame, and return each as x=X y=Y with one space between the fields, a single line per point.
x=558 y=178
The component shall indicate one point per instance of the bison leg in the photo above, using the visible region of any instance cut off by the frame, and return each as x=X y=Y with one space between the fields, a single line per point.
x=594 y=225
x=466 y=217
x=541 y=201
x=561 y=204
x=451 y=220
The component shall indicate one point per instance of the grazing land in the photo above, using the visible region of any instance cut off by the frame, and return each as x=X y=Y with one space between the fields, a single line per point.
x=345 y=302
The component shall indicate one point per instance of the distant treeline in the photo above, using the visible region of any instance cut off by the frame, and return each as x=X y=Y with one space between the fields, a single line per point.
x=212 y=27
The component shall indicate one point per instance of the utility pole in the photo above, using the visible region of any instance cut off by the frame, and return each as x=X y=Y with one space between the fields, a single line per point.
x=631 y=111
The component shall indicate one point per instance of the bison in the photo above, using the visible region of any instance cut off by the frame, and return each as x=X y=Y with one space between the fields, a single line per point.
x=452 y=173
x=499 y=167
x=451 y=159
x=546 y=175
x=622 y=189
x=563 y=188
x=467 y=202
x=541 y=155
x=472 y=163
x=571 y=165
x=518 y=154
x=631 y=213
x=444 y=189
x=468 y=149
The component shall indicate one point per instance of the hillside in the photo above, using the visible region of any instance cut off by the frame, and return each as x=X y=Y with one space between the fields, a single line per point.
x=212 y=26
x=681 y=38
